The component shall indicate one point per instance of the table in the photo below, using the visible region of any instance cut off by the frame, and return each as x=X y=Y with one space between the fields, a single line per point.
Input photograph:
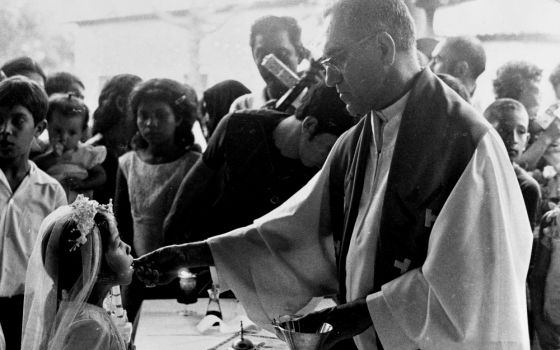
x=169 y=325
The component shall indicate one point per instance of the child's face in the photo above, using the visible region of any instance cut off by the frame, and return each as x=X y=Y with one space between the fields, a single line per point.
x=65 y=130
x=156 y=122
x=17 y=129
x=118 y=256
x=513 y=129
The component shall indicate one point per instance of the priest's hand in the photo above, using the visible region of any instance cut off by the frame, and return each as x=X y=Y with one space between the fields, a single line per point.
x=162 y=265
x=347 y=320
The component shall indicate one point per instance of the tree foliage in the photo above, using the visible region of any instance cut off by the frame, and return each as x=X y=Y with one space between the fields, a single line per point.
x=27 y=31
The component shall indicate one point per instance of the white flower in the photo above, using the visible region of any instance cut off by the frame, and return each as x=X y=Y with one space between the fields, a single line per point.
x=83 y=214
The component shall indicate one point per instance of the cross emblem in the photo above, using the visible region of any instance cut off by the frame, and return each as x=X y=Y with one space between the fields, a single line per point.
x=402 y=265
x=430 y=218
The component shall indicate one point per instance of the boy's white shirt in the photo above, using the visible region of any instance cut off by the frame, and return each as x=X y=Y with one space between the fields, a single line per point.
x=21 y=214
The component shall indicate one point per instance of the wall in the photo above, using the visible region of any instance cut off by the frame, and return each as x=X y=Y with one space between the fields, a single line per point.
x=200 y=52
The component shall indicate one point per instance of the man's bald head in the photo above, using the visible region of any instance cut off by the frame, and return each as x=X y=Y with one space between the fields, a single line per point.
x=366 y=17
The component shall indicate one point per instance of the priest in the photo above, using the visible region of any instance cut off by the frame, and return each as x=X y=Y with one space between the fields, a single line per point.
x=416 y=221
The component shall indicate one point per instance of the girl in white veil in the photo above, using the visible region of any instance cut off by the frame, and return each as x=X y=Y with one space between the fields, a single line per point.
x=2 y=340
x=77 y=258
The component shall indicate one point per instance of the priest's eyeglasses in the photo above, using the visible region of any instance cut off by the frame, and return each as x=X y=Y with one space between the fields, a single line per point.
x=338 y=59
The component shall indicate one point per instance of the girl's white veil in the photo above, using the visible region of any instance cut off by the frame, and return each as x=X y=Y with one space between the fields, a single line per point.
x=49 y=310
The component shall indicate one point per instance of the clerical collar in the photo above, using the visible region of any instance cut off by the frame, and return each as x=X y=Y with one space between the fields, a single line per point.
x=397 y=108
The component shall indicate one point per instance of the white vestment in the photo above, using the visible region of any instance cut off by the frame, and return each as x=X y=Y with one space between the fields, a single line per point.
x=468 y=294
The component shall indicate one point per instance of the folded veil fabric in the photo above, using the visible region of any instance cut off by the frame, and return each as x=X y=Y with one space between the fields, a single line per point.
x=2 y=340
x=49 y=312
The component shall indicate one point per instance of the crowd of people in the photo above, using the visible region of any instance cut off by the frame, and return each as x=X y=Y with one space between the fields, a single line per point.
x=432 y=221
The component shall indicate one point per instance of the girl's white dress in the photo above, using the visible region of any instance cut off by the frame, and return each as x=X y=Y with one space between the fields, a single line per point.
x=151 y=191
x=93 y=329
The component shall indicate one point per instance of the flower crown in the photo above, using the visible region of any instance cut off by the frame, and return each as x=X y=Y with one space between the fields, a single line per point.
x=84 y=211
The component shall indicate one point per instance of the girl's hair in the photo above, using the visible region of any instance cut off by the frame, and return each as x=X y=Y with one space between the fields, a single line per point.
x=218 y=98
x=180 y=97
x=108 y=114
x=20 y=90
x=69 y=105
x=70 y=260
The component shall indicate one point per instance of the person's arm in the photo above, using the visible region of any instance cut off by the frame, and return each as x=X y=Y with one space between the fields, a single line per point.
x=96 y=178
x=47 y=160
x=529 y=159
x=162 y=265
x=532 y=196
x=189 y=200
x=197 y=192
x=122 y=209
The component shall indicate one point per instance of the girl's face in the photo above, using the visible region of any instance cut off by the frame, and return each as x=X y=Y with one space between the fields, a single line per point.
x=65 y=131
x=118 y=256
x=156 y=122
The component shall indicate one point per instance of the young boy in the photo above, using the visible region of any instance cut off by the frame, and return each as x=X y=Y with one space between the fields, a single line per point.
x=27 y=195
x=509 y=117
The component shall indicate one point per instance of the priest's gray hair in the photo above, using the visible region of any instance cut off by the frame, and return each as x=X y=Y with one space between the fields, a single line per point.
x=365 y=17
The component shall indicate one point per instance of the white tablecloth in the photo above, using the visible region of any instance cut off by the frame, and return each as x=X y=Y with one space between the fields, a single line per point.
x=168 y=325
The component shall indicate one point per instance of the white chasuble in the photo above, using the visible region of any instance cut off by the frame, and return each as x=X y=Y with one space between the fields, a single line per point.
x=469 y=293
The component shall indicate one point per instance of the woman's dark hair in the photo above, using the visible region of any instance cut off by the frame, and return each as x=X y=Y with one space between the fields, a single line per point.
x=69 y=105
x=70 y=260
x=22 y=65
x=108 y=114
x=180 y=97
x=217 y=99
x=20 y=90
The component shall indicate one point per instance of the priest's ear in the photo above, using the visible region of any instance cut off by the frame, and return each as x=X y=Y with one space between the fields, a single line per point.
x=461 y=69
x=309 y=126
x=387 y=48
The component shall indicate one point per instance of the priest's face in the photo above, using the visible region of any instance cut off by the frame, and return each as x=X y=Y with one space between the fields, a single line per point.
x=354 y=64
